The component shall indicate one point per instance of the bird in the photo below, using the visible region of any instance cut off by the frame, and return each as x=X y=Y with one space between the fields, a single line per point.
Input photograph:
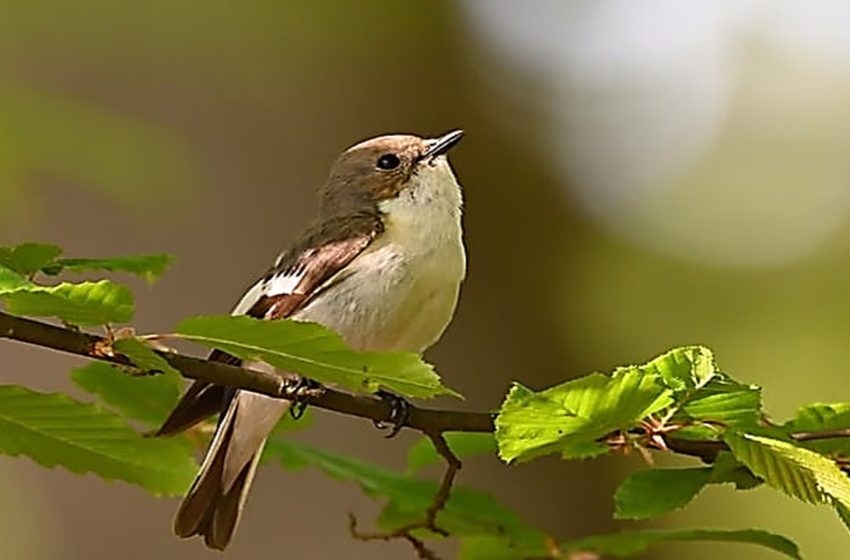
x=382 y=265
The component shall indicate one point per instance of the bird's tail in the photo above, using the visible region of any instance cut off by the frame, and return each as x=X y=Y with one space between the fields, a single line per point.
x=214 y=502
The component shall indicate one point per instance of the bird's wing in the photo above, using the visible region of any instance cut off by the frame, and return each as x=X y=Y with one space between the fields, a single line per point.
x=297 y=276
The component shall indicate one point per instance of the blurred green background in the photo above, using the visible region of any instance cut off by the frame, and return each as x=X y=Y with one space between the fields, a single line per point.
x=636 y=177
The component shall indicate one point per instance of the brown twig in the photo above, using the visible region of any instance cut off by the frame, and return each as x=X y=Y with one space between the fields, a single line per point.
x=418 y=544
x=822 y=434
x=453 y=465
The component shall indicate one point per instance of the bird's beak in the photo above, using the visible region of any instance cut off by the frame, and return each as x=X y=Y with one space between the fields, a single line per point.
x=439 y=146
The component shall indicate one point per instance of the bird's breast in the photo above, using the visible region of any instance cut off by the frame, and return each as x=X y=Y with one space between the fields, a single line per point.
x=394 y=296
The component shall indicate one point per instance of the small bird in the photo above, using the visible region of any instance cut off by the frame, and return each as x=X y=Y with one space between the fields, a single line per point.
x=382 y=266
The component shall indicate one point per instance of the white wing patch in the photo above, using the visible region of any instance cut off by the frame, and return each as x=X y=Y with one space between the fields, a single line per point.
x=279 y=284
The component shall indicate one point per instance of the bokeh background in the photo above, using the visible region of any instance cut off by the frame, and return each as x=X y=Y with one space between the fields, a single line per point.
x=637 y=176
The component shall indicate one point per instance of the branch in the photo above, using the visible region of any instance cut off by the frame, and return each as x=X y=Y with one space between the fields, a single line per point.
x=431 y=422
x=425 y=420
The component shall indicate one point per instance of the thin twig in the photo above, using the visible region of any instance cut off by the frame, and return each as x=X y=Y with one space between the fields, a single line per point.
x=822 y=434
x=453 y=465
x=418 y=544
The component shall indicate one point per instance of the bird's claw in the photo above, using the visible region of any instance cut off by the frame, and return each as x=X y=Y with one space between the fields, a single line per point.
x=299 y=392
x=399 y=413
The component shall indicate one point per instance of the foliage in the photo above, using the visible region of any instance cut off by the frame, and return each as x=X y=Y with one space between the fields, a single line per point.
x=82 y=303
x=570 y=418
x=53 y=429
x=316 y=352
x=148 y=398
x=149 y=267
x=86 y=303
x=678 y=402
x=672 y=489
x=468 y=512
x=631 y=543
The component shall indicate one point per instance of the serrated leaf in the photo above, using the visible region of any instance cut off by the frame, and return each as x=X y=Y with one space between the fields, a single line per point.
x=688 y=367
x=570 y=417
x=315 y=352
x=28 y=258
x=86 y=303
x=627 y=544
x=727 y=402
x=531 y=424
x=53 y=429
x=463 y=444
x=820 y=417
x=148 y=398
x=149 y=267
x=467 y=512
x=649 y=493
x=797 y=471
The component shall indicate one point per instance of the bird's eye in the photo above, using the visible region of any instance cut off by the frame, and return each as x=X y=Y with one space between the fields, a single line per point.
x=388 y=161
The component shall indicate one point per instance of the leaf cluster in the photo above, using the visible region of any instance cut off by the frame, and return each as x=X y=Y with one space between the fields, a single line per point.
x=679 y=400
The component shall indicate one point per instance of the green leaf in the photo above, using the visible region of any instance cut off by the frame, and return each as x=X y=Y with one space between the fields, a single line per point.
x=11 y=281
x=463 y=444
x=53 y=429
x=627 y=544
x=689 y=367
x=727 y=402
x=145 y=358
x=86 y=303
x=649 y=493
x=148 y=398
x=797 y=471
x=28 y=258
x=468 y=512
x=727 y=469
x=315 y=352
x=819 y=417
x=149 y=267
x=531 y=424
x=376 y=481
x=570 y=417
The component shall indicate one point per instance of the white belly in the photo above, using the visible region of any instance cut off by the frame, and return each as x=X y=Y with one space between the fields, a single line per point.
x=392 y=300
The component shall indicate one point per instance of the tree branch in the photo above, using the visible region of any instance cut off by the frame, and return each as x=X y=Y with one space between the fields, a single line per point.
x=429 y=421
x=425 y=420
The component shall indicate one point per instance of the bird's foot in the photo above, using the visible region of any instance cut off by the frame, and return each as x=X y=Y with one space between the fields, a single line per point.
x=399 y=413
x=299 y=391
